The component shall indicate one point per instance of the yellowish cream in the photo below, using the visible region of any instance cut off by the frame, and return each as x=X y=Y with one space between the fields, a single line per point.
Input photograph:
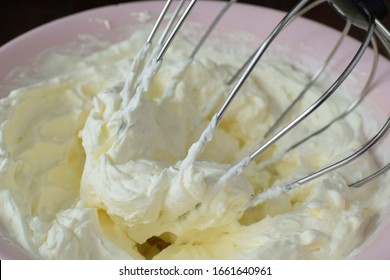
x=89 y=171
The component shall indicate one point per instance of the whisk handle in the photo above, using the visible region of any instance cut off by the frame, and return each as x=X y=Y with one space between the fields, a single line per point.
x=377 y=7
x=354 y=10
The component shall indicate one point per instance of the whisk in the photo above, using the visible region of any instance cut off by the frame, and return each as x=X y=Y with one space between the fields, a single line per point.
x=364 y=14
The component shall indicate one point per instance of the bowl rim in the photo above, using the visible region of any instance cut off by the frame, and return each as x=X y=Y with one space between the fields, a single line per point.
x=67 y=29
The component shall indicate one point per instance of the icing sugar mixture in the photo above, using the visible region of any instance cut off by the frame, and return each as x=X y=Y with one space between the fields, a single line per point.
x=92 y=167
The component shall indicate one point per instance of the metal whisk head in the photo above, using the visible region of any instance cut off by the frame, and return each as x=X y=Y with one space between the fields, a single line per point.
x=357 y=13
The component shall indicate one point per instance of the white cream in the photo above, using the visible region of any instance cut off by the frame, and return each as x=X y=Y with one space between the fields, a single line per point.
x=95 y=168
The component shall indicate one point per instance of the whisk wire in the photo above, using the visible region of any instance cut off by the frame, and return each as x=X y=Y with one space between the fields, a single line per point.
x=367 y=179
x=346 y=160
x=242 y=74
x=352 y=106
x=312 y=81
x=211 y=28
x=171 y=22
x=276 y=190
x=158 y=22
x=326 y=95
x=175 y=30
x=256 y=57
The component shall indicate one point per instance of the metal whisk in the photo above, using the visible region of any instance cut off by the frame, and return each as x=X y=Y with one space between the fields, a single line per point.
x=364 y=14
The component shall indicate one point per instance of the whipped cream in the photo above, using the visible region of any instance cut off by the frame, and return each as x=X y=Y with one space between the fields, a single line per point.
x=96 y=163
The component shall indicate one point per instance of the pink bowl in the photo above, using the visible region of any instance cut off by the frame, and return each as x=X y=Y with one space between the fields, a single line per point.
x=310 y=38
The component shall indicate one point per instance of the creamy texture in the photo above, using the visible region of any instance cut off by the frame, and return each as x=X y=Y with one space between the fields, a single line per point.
x=95 y=168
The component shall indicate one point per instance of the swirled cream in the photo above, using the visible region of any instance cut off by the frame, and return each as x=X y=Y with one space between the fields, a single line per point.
x=94 y=163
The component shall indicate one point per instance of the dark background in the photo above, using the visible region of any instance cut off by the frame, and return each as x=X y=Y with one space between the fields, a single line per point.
x=19 y=16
